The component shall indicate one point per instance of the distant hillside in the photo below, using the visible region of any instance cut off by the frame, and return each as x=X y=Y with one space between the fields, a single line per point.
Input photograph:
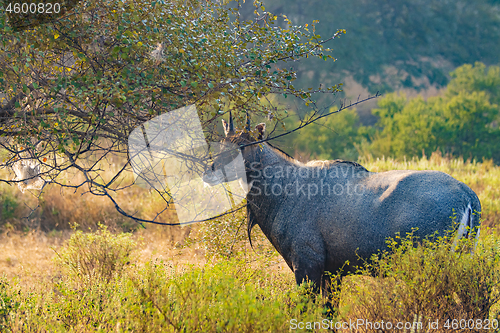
x=396 y=44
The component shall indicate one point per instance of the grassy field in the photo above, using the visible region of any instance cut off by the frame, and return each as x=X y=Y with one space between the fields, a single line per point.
x=206 y=278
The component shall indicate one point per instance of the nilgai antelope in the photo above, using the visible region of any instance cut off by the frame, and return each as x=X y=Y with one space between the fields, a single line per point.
x=321 y=214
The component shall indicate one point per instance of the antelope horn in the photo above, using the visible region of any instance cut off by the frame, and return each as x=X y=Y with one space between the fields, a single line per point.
x=248 y=123
x=231 y=124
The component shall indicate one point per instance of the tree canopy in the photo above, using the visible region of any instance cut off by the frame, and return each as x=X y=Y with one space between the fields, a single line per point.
x=79 y=84
x=463 y=121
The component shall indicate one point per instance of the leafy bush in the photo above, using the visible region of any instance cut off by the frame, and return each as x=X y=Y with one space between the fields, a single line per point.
x=226 y=297
x=426 y=283
x=7 y=304
x=8 y=206
x=463 y=121
x=100 y=254
x=83 y=307
x=227 y=237
x=332 y=137
x=230 y=296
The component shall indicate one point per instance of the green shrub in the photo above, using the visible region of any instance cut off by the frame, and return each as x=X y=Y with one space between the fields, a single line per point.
x=422 y=280
x=227 y=297
x=227 y=237
x=7 y=304
x=230 y=296
x=8 y=206
x=84 y=307
x=100 y=254
x=421 y=283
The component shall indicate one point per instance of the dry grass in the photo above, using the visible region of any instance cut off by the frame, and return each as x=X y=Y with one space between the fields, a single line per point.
x=59 y=208
x=169 y=244
x=26 y=251
x=29 y=256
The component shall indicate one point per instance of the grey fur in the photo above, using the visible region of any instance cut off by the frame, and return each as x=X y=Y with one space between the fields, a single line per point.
x=320 y=232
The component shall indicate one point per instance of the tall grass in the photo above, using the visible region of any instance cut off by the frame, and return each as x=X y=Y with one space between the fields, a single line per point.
x=412 y=281
x=226 y=296
x=61 y=208
x=104 y=281
x=422 y=281
x=58 y=208
x=98 y=254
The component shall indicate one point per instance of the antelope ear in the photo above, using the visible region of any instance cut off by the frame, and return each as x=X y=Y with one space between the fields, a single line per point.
x=261 y=128
x=226 y=127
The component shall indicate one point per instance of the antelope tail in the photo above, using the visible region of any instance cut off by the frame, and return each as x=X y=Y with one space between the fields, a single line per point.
x=467 y=227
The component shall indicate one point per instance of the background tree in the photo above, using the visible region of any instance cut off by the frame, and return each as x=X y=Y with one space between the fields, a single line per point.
x=334 y=137
x=462 y=121
x=74 y=88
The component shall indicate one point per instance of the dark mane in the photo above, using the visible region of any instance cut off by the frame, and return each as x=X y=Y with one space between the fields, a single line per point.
x=315 y=163
x=329 y=163
x=281 y=152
